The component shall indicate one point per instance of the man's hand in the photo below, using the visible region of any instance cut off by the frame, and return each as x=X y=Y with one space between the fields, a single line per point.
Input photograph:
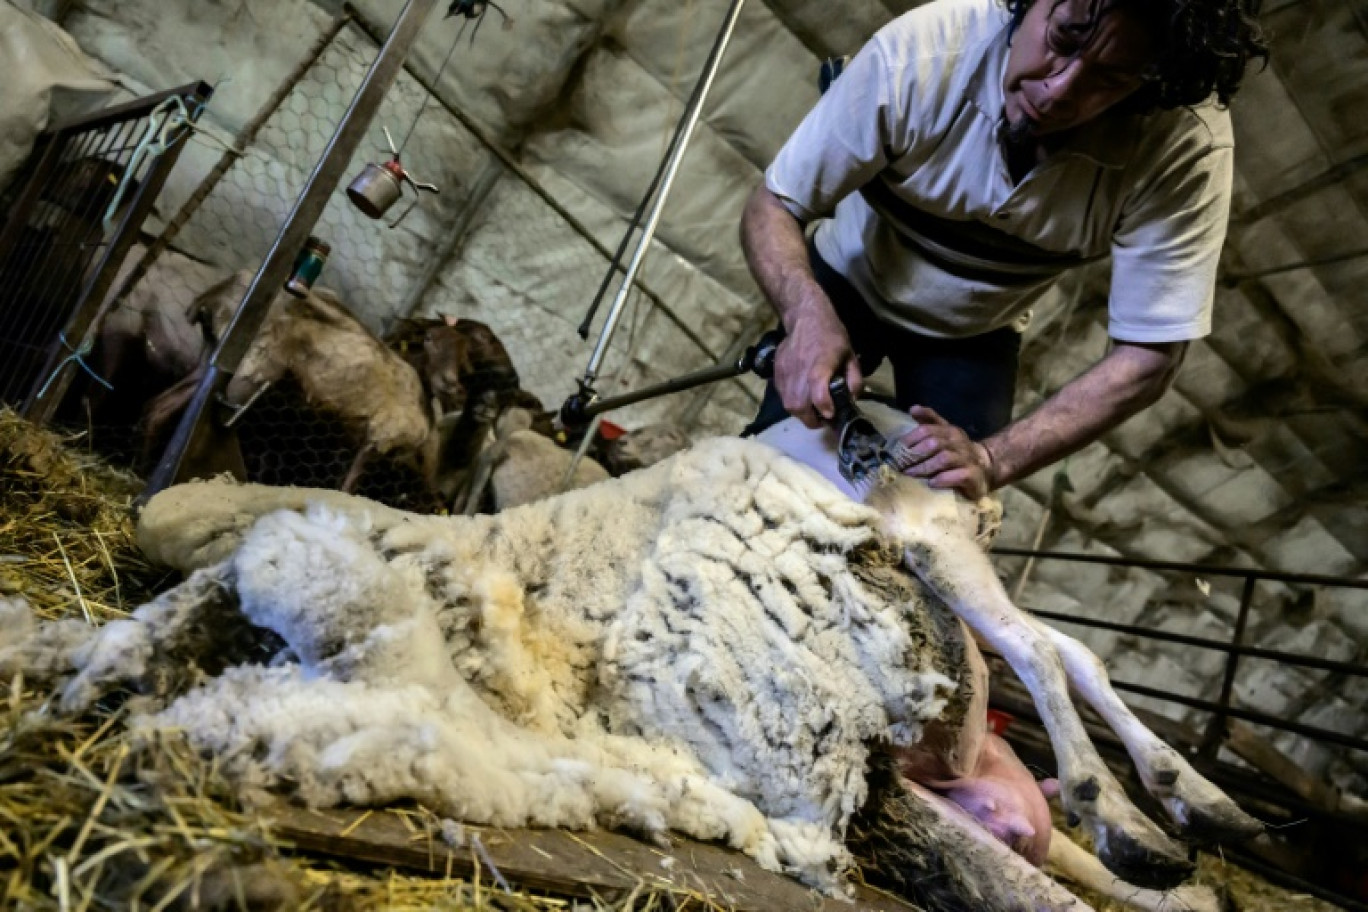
x=816 y=349
x=945 y=457
x=817 y=346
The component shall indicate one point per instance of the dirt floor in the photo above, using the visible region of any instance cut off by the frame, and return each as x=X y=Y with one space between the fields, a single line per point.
x=91 y=818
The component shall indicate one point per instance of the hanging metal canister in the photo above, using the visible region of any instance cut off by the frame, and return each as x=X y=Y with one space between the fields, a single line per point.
x=308 y=267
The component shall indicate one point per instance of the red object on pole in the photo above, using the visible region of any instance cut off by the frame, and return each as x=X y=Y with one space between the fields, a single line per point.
x=998 y=722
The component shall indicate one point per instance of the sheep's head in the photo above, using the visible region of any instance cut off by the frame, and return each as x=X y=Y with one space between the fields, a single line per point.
x=448 y=364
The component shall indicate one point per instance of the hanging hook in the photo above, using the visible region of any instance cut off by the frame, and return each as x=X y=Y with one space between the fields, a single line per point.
x=476 y=9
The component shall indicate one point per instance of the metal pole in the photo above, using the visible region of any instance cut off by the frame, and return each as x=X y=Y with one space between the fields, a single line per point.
x=724 y=371
x=580 y=452
x=531 y=183
x=1298 y=660
x=1272 y=576
x=667 y=183
x=1216 y=730
x=327 y=175
x=615 y=266
x=761 y=317
x=757 y=359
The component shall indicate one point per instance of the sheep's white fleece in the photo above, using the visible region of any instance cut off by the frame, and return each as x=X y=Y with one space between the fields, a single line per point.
x=707 y=645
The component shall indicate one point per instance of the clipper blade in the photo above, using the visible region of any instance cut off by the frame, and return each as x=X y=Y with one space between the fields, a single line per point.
x=864 y=457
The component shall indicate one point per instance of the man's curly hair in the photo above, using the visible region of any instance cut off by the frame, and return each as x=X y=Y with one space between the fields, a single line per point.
x=1204 y=47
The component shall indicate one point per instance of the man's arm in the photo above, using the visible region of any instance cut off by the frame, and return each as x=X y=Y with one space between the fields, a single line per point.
x=1129 y=379
x=817 y=346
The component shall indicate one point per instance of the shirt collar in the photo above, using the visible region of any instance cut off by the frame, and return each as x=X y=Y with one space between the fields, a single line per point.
x=1109 y=141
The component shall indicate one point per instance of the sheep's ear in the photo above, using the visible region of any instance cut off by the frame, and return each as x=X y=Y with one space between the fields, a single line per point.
x=450 y=320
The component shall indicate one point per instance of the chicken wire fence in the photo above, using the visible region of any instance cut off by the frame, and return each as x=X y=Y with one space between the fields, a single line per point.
x=536 y=259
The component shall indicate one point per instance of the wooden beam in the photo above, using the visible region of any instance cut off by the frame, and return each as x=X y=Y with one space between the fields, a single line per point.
x=597 y=864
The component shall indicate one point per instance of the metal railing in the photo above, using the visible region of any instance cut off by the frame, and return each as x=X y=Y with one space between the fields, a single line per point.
x=91 y=183
x=1321 y=819
x=1235 y=649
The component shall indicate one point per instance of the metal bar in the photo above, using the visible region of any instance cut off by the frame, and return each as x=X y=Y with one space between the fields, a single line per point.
x=1248 y=715
x=1230 y=280
x=1216 y=729
x=1301 y=579
x=1249 y=783
x=130 y=110
x=542 y=193
x=676 y=385
x=761 y=318
x=47 y=396
x=1328 y=178
x=1250 y=652
x=313 y=199
x=245 y=138
x=615 y=265
x=653 y=220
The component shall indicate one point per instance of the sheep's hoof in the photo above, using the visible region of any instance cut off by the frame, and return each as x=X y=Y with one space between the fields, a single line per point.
x=1147 y=859
x=1219 y=821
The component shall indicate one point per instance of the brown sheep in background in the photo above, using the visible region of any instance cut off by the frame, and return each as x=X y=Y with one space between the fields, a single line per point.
x=340 y=365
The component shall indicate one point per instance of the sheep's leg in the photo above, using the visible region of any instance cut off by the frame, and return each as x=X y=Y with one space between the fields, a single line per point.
x=358 y=467
x=169 y=643
x=1200 y=808
x=1069 y=861
x=941 y=552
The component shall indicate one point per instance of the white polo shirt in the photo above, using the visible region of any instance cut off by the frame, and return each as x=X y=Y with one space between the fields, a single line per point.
x=903 y=154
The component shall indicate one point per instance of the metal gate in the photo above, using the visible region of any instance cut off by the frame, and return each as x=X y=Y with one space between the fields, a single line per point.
x=1234 y=747
x=91 y=183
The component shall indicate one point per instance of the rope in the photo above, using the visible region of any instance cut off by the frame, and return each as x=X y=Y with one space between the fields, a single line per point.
x=156 y=139
x=427 y=96
x=169 y=116
x=77 y=355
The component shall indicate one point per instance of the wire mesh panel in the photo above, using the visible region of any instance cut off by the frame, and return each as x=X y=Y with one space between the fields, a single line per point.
x=90 y=188
x=372 y=265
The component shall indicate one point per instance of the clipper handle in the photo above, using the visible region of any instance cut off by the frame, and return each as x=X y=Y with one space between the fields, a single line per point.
x=843 y=401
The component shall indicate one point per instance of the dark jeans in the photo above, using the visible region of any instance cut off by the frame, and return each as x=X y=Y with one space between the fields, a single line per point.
x=970 y=382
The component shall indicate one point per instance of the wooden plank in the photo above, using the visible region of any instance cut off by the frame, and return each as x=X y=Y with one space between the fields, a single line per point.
x=607 y=865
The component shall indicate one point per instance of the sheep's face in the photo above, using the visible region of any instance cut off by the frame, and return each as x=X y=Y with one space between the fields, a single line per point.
x=448 y=362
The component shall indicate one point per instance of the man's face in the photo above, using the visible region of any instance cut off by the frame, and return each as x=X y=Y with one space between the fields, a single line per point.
x=1071 y=60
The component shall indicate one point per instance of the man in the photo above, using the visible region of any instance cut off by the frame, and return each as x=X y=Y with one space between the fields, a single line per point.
x=966 y=158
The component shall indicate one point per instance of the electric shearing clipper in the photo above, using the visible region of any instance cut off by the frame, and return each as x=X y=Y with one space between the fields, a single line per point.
x=862 y=451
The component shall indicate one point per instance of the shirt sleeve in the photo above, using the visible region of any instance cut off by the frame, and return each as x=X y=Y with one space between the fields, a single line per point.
x=842 y=143
x=1167 y=247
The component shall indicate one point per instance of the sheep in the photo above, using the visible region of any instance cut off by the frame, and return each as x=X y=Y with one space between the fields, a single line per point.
x=643 y=446
x=340 y=365
x=151 y=338
x=479 y=395
x=728 y=643
x=439 y=422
